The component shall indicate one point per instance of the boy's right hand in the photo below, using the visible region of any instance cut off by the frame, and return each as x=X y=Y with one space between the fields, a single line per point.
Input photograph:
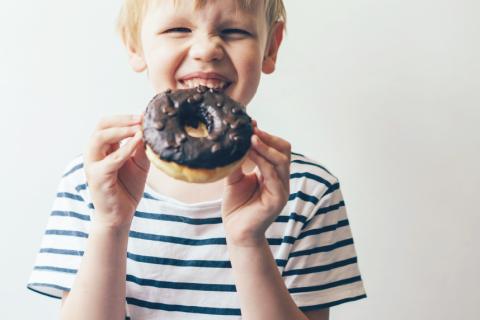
x=116 y=173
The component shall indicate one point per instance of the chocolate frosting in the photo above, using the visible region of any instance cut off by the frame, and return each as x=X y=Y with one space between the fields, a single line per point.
x=229 y=127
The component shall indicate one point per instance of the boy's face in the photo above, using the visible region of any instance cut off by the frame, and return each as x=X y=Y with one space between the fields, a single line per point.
x=218 y=45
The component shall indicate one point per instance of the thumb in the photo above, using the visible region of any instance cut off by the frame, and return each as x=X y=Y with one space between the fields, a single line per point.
x=140 y=157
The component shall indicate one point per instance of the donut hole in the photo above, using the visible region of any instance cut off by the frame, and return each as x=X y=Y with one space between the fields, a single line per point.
x=195 y=122
x=199 y=132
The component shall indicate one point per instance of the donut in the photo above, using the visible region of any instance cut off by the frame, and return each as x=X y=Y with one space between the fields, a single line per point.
x=197 y=135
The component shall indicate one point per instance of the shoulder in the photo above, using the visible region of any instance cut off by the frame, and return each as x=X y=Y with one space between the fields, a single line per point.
x=311 y=176
x=74 y=168
x=73 y=181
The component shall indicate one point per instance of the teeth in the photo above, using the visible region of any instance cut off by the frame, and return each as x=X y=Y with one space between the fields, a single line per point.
x=210 y=83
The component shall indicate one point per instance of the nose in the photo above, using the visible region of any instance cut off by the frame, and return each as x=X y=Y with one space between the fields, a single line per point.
x=207 y=48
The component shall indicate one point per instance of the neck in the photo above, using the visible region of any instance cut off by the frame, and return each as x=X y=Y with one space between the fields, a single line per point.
x=189 y=192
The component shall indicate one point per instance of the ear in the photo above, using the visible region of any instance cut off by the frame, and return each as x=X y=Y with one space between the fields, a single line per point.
x=136 y=59
x=273 y=44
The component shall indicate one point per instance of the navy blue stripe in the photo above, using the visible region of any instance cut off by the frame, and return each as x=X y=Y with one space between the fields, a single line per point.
x=288 y=239
x=182 y=308
x=55 y=269
x=175 y=218
x=70 y=196
x=47 y=285
x=62 y=251
x=90 y=206
x=180 y=263
x=81 y=187
x=71 y=214
x=330 y=247
x=341 y=223
x=326 y=286
x=309 y=175
x=188 y=263
x=293 y=216
x=67 y=233
x=196 y=242
x=324 y=210
x=331 y=304
x=312 y=164
x=44 y=293
x=149 y=196
x=323 y=268
x=279 y=241
x=303 y=196
x=274 y=241
x=297 y=154
x=182 y=285
x=330 y=208
x=184 y=241
x=75 y=168
x=230 y=287
x=332 y=188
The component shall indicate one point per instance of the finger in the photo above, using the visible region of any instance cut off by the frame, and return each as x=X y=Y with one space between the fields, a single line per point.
x=269 y=152
x=279 y=160
x=140 y=158
x=268 y=172
x=117 y=159
x=254 y=123
x=119 y=121
x=276 y=142
x=105 y=141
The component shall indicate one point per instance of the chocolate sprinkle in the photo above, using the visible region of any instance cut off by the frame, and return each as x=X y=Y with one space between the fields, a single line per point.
x=228 y=125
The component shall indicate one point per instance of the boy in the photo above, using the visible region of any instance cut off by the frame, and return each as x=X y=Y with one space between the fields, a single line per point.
x=270 y=241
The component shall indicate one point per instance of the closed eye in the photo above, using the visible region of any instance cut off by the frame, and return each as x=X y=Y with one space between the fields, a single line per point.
x=179 y=29
x=234 y=31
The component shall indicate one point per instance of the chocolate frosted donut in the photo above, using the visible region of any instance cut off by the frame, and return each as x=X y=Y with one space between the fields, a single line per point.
x=172 y=122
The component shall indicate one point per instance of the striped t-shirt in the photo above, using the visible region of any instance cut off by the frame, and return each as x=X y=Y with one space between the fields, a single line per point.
x=177 y=259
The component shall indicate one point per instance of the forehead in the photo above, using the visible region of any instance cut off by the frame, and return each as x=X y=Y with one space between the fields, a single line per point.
x=230 y=7
x=244 y=5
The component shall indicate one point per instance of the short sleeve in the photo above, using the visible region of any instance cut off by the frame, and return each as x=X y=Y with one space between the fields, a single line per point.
x=322 y=268
x=65 y=236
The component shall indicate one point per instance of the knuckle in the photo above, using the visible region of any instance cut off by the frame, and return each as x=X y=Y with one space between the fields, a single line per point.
x=103 y=120
x=288 y=147
x=101 y=123
x=97 y=135
x=285 y=159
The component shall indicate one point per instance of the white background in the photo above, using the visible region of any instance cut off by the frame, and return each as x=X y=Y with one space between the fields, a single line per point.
x=386 y=94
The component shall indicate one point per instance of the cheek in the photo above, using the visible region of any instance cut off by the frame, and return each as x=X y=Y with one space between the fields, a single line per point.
x=250 y=60
x=249 y=70
x=161 y=68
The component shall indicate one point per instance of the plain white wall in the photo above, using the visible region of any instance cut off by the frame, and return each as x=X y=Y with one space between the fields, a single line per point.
x=384 y=93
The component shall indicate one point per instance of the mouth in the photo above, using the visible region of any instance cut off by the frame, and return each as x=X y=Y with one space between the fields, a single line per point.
x=217 y=83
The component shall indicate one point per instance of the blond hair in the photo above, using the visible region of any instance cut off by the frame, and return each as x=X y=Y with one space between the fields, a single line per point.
x=132 y=12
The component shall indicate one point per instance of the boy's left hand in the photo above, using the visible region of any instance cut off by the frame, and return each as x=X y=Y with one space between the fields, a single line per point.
x=252 y=201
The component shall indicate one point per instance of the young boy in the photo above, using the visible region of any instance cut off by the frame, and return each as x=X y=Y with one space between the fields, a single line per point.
x=124 y=240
